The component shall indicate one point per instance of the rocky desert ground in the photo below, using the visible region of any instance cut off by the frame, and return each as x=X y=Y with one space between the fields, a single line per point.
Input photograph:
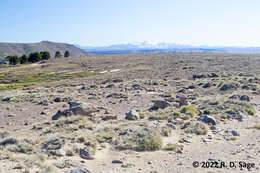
x=137 y=113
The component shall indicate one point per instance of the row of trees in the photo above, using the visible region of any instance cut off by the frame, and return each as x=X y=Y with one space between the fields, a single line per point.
x=34 y=57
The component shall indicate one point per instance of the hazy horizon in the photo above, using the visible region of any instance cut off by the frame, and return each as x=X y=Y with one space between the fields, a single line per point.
x=100 y=23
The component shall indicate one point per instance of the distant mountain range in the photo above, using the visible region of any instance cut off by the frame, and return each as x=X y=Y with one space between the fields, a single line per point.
x=27 y=48
x=150 y=47
x=138 y=47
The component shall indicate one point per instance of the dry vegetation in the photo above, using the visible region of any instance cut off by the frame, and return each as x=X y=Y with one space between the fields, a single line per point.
x=128 y=113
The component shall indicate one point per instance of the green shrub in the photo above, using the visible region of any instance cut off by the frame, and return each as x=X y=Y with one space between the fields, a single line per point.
x=35 y=57
x=13 y=60
x=190 y=111
x=23 y=59
x=45 y=55
x=57 y=54
x=66 y=54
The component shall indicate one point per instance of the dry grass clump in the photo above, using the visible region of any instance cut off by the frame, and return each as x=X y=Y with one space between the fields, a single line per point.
x=138 y=138
x=160 y=115
x=75 y=123
x=233 y=138
x=166 y=131
x=196 y=128
x=257 y=126
x=104 y=137
x=23 y=146
x=150 y=142
x=171 y=147
x=249 y=109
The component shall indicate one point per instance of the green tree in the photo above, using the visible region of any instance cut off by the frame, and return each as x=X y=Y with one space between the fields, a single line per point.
x=45 y=55
x=23 y=59
x=13 y=60
x=57 y=54
x=35 y=57
x=67 y=53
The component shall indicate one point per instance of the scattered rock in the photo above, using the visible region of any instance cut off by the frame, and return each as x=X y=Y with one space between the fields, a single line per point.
x=4 y=134
x=82 y=108
x=132 y=115
x=172 y=126
x=191 y=87
x=226 y=87
x=244 y=98
x=235 y=133
x=183 y=101
x=159 y=104
x=137 y=87
x=43 y=113
x=8 y=141
x=59 y=165
x=85 y=154
x=18 y=166
x=6 y=99
x=238 y=116
x=110 y=86
x=76 y=108
x=212 y=75
x=117 y=161
x=209 y=119
x=57 y=99
x=245 y=87
x=110 y=117
x=79 y=170
x=188 y=140
x=117 y=80
x=206 y=85
x=117 y=95
x=206 y=140
x=198 y=76
x=59 y=152
x=11 y=115
x=73 y=163
x=53 y=144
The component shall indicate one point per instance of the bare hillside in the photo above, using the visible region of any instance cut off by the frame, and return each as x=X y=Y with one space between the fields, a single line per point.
x=26 y=48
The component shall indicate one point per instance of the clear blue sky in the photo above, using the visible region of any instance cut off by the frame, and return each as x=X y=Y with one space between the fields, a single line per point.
x=103 y=22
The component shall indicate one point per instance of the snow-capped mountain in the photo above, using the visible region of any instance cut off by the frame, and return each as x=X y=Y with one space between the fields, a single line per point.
x=151 y=47
x=136 y=46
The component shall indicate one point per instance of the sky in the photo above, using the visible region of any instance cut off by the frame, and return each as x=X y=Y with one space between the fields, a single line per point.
x=106 y=22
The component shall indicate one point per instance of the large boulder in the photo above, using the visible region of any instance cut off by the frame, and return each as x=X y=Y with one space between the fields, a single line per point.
x=244 y=98
x=81 y=108
x=76 y=108
x=160 y=104
x=59 y=114
x=226 y=87
x=209 y=119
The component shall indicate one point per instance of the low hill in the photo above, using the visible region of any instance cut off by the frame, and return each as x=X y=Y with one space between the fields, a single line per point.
x=26 y=48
